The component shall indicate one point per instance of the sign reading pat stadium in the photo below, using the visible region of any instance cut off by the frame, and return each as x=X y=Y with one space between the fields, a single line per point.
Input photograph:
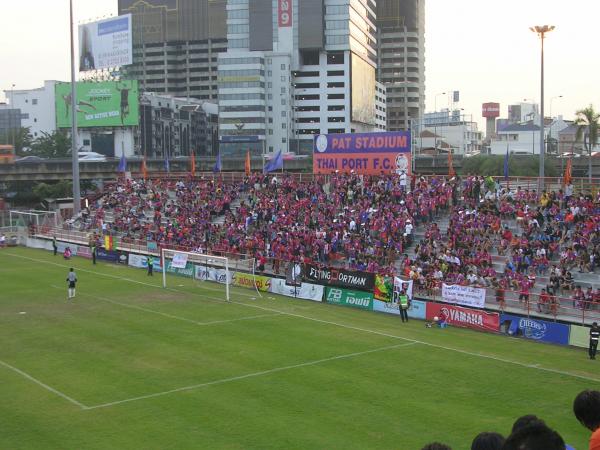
x=362 y=153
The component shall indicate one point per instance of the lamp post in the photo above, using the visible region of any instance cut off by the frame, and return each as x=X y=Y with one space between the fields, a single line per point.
x=74 y=148
x=552 y=123
x=541 y=31
x=435 y=121
x=10 y=122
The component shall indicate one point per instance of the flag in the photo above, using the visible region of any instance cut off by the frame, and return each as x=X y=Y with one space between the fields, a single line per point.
x=247 y=166
x=451 y=172
x=193 y=164
x=568 y=177
x=506 y=165
x=274 y=164
x=122 y=164
x=108 y=242
x=218 y=166
x=144 y=168
x=167 y=163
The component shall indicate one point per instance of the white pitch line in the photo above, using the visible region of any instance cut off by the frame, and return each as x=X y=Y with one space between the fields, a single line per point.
x=350 y=327
x=250 y=375
x=44 y=385
x=171 y=316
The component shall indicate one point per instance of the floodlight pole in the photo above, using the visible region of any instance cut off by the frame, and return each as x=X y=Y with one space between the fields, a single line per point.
x=74 y=148
x=541 y=31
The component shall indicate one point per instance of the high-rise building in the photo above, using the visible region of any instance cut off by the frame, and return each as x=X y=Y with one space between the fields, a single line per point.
x=401 y=59
x=295 y=69
x=176 y=43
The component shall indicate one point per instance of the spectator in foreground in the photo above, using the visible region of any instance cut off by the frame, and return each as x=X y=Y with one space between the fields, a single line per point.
x=536 y=436
x=436 y=446
x=528 y=420
x=587 y=410
x=488 y=441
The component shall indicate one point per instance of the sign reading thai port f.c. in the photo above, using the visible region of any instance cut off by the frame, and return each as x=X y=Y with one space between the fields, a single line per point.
x=362 y=153
x=285 y=13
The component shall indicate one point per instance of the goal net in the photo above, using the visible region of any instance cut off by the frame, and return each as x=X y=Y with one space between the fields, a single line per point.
x=209 y=268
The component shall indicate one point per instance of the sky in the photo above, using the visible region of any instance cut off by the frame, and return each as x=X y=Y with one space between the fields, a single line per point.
x=482 y=48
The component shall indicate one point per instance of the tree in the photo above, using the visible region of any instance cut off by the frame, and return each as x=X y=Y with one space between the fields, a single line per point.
x=52 y=145
x=586 y=120
x=21 y=138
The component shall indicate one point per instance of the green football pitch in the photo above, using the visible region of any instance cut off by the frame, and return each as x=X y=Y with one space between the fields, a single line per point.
x=130 y=365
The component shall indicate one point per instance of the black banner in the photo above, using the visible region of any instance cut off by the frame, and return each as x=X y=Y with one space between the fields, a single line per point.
x=333 y=276
x=114 y=256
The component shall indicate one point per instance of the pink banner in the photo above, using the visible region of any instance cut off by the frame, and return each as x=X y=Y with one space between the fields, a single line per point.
x=465 y=317
x=285 y=13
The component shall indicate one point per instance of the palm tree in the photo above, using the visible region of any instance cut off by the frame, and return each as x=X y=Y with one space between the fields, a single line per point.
x=587 y=127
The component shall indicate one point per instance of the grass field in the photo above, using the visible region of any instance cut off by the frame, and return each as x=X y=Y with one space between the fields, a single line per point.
x=129 y=365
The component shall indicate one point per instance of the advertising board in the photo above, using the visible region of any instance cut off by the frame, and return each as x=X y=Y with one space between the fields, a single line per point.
x=465 y=317
x=344 y=278
x=205 y=273
x=417 y=309
x=579 y=336
x=252 y=281
x=345 y=297
x=307 y=291
x=141 y=262
x=111 y=256
x=539 y=330
x=106 y=44
x=363 y=91
x=362 y=153
x=187 y=271
x=102 y=104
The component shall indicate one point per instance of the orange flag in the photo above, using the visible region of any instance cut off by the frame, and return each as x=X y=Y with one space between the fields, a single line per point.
x=144 y=168
x=568 y=177
x=247 y=165
x=451 y=172
x=193 y=163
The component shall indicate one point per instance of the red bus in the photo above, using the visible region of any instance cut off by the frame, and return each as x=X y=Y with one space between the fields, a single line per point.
x=7 y=154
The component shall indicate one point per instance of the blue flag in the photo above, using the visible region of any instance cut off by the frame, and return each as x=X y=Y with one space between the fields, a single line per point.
x=217 y=167
x=506 y=165
x=167 y=163
x=274 y=164
x=122 y=164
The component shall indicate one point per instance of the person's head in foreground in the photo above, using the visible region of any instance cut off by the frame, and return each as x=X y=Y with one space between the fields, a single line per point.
x=436 y=446
x=536 y=436
x=587 y=409
x=487 y=441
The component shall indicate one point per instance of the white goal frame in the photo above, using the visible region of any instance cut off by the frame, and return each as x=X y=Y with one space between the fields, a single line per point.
x=196 y=259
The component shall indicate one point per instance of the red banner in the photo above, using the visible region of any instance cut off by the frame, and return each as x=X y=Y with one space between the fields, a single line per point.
x=285 y=13
x=465 y=317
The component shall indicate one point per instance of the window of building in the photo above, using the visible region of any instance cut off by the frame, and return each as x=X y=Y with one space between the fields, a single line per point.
x=335 y=57
x=270 y=108
x=86 y=142
x=34 y=101
x=283 y=67
x=284 y=125
x=283 y=113
x=283 y=90
x=283 y=78
x=270 y=132
x=283 y=140
x=269 y=73
x=283 y=102
x=335 y=84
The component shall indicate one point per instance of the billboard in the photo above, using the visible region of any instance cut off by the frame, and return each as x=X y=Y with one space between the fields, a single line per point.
x=539 y=330
x=344 y=278
x=490 y=110
x=345 y=297
x=363 y=91
x=103 y=104
x=362 y=153
x=106 y=43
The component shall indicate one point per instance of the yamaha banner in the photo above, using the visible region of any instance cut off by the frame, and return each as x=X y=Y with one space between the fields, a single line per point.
x=333 y=276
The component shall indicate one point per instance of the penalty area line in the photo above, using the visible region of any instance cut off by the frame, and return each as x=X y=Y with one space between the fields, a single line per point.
x=43 y=385
x=250 y=375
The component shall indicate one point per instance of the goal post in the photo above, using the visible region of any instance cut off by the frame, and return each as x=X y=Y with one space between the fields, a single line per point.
x=202 y=266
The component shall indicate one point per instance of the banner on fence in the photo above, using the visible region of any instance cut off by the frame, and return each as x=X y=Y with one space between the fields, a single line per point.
x=539 y=330
x=465 y=317
x=307 y=291
x=205 y=273
x=355 y=299
x=248 y=280
x=180 y=260
x=352 y=279
x=402 y=285
x=84 y=252
x=384 y=286
x=141 y=262
x=417 y=309
x=463 y=295
x=579 y=336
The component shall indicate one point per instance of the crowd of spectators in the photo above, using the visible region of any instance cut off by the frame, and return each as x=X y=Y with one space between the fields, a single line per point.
x=368 y=223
